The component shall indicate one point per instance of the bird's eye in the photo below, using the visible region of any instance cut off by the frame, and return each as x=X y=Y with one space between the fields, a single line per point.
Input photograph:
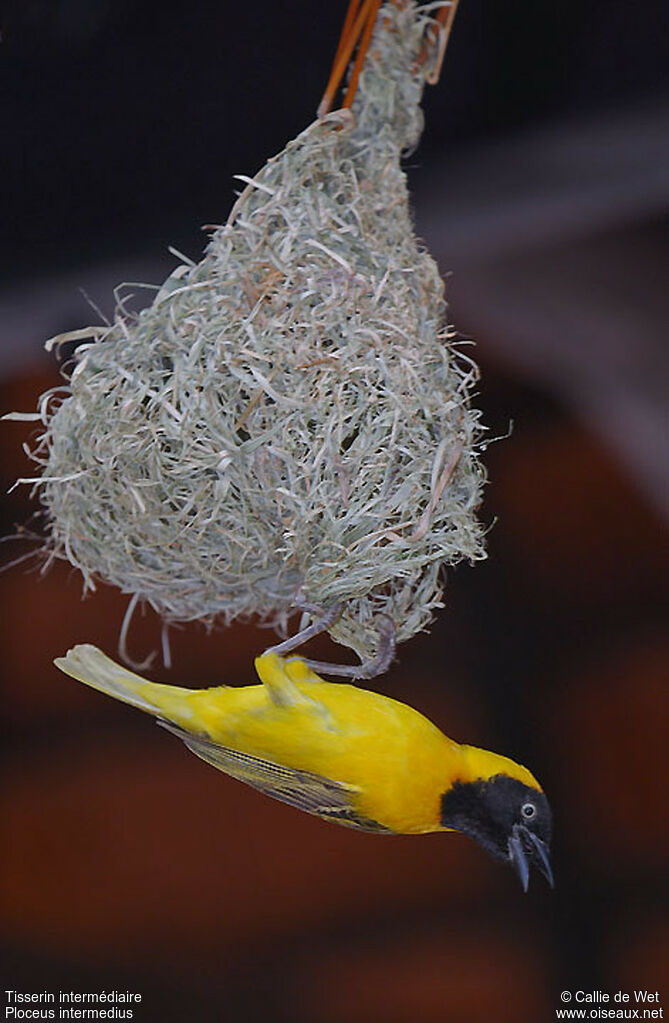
x=528 y=811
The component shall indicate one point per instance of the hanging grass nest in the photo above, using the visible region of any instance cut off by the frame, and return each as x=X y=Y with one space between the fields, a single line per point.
x=288 y=421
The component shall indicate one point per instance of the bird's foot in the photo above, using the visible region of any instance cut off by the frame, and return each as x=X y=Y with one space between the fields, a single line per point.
x=369 y=668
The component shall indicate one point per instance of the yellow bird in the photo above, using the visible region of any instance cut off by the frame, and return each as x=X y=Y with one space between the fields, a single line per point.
x=345 y=754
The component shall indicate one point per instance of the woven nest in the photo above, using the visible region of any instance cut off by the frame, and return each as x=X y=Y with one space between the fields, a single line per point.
x=288 y=421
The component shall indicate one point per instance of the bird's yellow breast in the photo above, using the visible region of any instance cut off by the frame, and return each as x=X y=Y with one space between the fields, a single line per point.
x=397 y=761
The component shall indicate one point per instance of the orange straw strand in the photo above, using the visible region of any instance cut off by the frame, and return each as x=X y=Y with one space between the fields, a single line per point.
x=357 y=31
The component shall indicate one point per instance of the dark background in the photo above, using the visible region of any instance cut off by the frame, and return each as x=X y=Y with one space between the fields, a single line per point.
x=540 y=184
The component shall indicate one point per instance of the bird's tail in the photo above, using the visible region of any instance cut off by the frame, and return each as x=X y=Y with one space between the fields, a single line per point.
x=91 y=666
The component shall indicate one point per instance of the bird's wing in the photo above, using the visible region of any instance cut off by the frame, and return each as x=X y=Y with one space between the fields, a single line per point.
x=332 y=800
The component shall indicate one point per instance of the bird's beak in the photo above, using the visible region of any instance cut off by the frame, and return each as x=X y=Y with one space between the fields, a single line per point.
x=526 y=847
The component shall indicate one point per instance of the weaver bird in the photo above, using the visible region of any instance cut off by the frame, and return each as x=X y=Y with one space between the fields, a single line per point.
x=348 y=755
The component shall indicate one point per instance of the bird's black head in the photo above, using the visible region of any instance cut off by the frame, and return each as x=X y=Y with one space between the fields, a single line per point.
x=508 y=818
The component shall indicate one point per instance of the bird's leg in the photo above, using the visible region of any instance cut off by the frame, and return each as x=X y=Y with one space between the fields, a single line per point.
x=270 y=664
x=369 y=668
x=280 y=677
x=282 y=690
x=327 y=618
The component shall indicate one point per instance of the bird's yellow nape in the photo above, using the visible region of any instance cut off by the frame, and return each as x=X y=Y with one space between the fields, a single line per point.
x=481 y=764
